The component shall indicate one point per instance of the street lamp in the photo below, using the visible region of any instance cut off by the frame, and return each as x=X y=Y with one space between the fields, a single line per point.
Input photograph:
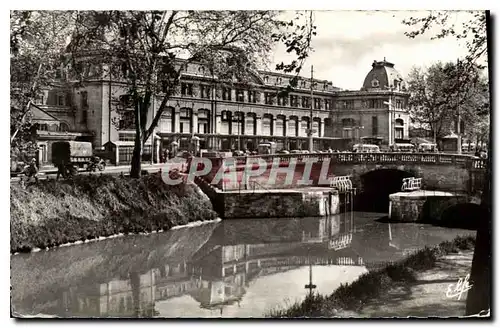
x=196 y=142
x=174 y=145
x=390 y=111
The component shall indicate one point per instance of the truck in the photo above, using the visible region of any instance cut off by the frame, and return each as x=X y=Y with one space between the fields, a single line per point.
x=71 y=155
x=266 y=148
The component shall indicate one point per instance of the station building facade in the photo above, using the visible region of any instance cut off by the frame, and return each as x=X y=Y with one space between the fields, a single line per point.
x=236 y=116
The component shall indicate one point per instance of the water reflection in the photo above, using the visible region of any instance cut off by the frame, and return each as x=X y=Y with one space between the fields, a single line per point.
x=229 y=268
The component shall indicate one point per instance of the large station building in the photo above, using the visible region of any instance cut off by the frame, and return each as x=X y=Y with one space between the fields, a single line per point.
x=229 y=117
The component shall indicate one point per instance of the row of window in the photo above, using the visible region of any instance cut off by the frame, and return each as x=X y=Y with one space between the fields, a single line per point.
x=369 y=103
x=250 y=96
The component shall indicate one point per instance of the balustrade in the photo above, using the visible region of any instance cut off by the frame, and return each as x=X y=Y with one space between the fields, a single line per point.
x=447 y=159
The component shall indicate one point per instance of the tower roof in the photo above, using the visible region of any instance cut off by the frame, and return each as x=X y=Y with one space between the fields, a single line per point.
x=383 y=76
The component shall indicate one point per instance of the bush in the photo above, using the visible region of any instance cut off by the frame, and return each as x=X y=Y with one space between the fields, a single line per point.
x=52 y=212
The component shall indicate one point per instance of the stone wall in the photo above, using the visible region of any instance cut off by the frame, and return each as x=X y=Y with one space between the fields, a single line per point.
x=279 y=204
x=408 y=208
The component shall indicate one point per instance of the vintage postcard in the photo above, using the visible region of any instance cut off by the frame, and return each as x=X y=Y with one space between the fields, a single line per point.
x=250 y=164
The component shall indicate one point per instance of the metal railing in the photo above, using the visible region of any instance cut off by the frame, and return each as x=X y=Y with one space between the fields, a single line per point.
x=342 y=183
x=411 y=184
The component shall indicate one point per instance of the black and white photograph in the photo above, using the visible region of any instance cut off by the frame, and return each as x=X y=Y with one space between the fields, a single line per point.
x=245 y=164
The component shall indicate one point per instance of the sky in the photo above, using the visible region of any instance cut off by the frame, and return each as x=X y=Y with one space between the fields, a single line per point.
x=348 y=42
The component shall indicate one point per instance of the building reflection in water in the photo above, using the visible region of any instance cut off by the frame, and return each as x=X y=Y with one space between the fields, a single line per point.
x=221 y=269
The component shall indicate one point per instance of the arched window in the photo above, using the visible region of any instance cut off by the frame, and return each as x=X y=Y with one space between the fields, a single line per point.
x=167 y=120
x=316 y=126
x=292 y=126
x=250 y=124
x=225 y=121
x=203 y=121
x=238 y=123
x=63 y=127
x=267 y=125
x=185 y=118
x=304 y=125
x=279 y=128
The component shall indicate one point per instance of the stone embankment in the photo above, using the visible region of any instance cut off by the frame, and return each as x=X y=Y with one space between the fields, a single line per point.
x=50 y=213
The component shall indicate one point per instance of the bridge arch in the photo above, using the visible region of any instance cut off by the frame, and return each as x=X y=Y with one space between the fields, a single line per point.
x=376 y=186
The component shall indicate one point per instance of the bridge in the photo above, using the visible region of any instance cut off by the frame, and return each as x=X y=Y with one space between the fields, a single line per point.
x=439 y=171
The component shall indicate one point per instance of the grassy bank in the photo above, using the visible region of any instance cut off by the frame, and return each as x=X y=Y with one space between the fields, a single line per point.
x=51 y=212
x=352 y=297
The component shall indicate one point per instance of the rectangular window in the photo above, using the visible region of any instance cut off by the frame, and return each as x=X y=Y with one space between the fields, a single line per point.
x=205 y=91
x=252 y=96
x=374 y=125
x=317 y=103
x=84 y=99
x=240 y=96
x=60 y=100
x=269 y=98
x=306 y=102
x=187 y=89
x=226 y=93
x=398 y=133
x=327 y=104
x=294 y=101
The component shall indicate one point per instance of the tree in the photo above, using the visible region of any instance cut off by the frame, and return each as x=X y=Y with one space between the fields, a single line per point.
x=474 y=31
x=442 y=93
x=145 y=48
x=36 y=41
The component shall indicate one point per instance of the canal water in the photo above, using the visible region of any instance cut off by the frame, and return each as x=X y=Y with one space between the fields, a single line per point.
x=233 y=268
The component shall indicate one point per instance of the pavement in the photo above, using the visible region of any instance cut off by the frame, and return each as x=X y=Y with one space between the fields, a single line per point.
x=47 y=171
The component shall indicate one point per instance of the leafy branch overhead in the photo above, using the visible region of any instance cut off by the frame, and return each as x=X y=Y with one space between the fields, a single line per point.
x=472 y=30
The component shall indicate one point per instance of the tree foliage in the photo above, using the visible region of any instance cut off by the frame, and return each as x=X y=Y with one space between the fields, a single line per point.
x=472 y=31
x=36 y=41
x=143 y=48
x=443 y=91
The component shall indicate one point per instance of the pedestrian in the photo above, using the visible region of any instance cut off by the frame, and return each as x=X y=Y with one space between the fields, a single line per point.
x=32 y=170
x=61 y=171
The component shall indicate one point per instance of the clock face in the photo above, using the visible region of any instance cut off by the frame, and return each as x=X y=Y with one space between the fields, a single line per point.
x=375 y=83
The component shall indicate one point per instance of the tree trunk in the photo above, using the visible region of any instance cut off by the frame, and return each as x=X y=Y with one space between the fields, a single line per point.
x=479 y=296
x=135 y=170
x=135 y=282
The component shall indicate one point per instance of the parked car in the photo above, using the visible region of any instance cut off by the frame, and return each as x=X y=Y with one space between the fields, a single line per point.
x=366 y=148
x=239 y=153
x=284 y=152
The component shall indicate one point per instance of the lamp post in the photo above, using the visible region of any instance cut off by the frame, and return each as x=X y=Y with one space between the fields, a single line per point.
x=310 y=130
x=390 y=110
x=196 y=142
x=459 y=133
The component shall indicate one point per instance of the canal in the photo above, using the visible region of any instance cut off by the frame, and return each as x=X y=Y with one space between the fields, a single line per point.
x=233 y=268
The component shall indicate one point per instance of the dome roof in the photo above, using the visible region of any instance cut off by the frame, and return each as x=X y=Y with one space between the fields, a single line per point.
x=383 y=76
